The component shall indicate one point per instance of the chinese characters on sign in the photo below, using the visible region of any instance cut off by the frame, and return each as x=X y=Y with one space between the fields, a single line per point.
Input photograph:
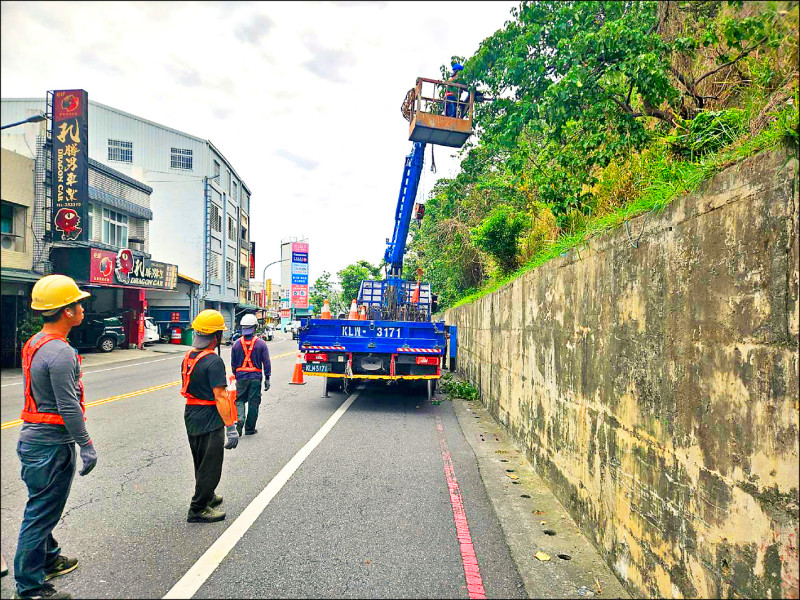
x=125 y=268
x=299 y=290
x=70 y=165
x=252 y=260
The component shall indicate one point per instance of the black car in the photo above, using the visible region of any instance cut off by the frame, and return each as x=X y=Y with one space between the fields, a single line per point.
x=101 y=331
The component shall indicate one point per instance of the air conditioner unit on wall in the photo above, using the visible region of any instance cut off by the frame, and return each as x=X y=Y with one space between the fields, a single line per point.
x=8 y=241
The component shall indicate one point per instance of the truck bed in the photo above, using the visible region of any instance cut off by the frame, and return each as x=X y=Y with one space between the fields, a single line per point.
x=372 y=349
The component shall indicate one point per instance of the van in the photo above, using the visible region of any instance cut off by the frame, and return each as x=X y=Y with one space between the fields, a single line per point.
x=151 y=334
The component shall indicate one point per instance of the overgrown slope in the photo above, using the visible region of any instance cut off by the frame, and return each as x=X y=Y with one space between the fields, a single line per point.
x=601 y=111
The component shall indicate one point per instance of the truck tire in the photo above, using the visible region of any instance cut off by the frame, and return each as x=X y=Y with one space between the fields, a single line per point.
x=106 y=344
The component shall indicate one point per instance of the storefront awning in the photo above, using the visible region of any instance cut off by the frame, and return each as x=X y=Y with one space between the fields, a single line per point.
x=112 y=201
x=245 y=306
x=19 y=275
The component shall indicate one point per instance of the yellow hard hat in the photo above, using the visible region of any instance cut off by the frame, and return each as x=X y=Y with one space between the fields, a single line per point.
x=209 y=321
x=55 y=291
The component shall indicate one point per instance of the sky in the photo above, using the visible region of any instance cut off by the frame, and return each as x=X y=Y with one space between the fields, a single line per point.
x=303 y=98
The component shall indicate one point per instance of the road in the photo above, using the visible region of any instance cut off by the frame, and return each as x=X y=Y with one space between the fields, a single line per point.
x=367 y=512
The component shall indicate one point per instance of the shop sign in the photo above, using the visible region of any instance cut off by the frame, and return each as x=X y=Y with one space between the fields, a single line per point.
x=299 y=271
x=126 y=269
x=252 y=260
x=286 y=313
x=300 y=296
x=70 y=165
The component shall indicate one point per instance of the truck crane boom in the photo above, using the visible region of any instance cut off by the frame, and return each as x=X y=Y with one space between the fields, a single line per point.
x=405 y=204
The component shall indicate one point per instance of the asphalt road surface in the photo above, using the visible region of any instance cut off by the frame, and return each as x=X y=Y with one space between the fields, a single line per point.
x=347 y=496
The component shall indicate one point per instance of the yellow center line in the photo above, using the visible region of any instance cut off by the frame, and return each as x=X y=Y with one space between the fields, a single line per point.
x=10 y=424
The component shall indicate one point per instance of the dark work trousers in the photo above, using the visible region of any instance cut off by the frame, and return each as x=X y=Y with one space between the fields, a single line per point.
x=208 y=451
x=47 y=470
x=248 y=392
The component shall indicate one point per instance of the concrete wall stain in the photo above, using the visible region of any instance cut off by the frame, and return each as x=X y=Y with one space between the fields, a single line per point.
x=655 y=388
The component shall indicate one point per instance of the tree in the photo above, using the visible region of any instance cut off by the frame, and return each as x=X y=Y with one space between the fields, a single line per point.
x=323 y=288
x=351 y=277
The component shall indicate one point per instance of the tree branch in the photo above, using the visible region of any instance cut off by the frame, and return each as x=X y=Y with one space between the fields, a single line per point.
x=734 y=61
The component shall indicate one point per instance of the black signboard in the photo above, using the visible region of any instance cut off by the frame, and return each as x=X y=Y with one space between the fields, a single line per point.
x=70 y=135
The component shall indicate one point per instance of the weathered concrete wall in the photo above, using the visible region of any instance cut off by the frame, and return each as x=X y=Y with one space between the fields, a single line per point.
x=656 y=388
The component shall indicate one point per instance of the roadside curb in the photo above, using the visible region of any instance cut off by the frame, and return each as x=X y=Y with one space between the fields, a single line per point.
x=521 y=517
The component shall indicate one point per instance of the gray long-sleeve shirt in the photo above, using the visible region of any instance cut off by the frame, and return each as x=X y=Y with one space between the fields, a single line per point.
x=55 y=377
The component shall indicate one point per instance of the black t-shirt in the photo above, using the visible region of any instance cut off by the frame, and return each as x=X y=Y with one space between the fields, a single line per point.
x=208 y=373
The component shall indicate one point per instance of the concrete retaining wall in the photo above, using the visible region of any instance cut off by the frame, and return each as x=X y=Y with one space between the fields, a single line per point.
x=655 y=388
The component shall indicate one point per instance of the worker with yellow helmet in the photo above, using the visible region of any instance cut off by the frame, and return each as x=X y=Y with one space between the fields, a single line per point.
x=208 y=415
x=53 y=422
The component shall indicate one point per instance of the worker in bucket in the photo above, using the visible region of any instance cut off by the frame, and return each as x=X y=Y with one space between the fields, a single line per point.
x=53 y=422
x=209 y=416
x=451 y=94
x=249 y=358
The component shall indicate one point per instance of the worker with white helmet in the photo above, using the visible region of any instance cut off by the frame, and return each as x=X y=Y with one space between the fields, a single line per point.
x=53 y=422
x=249 y=358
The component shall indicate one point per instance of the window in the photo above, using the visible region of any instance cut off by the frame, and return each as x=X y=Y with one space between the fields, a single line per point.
x=230 y=270
x=115 y=228
x=213 y=265
x=231 y=228
x=244 y=234
x=235 y=191
x=120 y=151
x=216 y=169
x=7 y=219
x=228 y=182
x=245 y=201
x=180 y=159
x=216 y=218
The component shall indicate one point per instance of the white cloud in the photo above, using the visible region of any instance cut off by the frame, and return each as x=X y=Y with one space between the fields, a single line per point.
x=302 y=98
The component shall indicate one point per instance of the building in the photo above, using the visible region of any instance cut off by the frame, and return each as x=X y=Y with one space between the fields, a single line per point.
x=200 y=205
x=118 y=227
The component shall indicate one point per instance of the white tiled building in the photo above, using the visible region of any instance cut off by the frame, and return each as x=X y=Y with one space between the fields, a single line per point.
x=200 y=205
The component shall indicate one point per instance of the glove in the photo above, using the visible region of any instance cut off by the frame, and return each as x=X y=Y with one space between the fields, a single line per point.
x=266 y=384
x=89 y=458
x=233 y=437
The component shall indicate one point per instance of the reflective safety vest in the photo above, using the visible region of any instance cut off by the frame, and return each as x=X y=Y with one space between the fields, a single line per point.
x=31 y=413
x=187 y=367
x=247 y=364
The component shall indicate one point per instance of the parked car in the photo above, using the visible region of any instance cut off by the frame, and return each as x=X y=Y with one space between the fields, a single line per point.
x=293 y=328
x=101 y=331
x=151 y=334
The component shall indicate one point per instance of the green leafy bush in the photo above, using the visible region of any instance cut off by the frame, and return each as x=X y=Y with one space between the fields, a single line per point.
x=498 y=235
x=458 y=389
x=707 y=132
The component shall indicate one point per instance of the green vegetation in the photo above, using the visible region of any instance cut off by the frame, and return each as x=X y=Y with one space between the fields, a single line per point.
x=455 y=388
x=602 y=111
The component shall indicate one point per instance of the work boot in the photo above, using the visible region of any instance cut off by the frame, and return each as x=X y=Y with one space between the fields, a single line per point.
x=46 y=591
x=4 y=570
x=207 y=515
x=215 y=501
x=61 y=566
x=255 y=431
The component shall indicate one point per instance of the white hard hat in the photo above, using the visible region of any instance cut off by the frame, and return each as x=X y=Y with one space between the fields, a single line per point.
x=249 y=320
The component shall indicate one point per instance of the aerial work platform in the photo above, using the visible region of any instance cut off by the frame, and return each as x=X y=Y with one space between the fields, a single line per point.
x=439 y=112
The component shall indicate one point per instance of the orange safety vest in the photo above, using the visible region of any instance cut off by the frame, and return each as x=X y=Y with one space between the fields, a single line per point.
x=187 y=366
x=247 y=364
x=31 y=413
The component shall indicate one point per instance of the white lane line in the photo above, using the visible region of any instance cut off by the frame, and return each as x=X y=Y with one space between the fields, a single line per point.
x=109 y=369
x=207 y=564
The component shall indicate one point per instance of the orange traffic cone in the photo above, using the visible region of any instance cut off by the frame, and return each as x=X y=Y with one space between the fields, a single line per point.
x=353 y=314
x=297 y=376
x=362 y=313
x=326 y=310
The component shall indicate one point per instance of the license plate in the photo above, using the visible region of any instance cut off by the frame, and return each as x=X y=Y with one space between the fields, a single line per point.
x=316 y=368
x=353 y=331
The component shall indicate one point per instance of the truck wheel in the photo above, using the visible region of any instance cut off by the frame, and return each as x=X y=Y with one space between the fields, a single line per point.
x=106 y=344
